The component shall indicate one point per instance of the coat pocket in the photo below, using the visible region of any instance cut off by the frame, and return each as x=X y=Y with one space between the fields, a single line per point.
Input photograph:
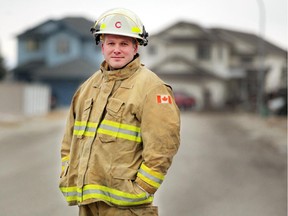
x=87 y=109
x=123 y=179
x=80 y=126
x=114 y=109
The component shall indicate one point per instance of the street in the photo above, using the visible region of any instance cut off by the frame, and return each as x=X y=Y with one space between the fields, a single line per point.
x=227 y=165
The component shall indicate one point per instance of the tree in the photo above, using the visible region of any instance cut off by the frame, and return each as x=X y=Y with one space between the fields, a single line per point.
x=3 y=70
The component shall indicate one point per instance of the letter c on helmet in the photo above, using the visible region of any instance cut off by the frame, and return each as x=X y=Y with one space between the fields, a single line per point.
x=118 y=24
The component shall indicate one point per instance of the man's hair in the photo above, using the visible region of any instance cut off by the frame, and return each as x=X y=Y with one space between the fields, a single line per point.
x=134 y=40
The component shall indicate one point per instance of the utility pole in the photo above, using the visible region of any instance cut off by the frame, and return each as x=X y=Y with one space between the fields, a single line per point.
x=261 y=58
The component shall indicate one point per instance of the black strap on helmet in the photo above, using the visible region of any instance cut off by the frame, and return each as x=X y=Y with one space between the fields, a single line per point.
x=93 y=30
x=144 y=36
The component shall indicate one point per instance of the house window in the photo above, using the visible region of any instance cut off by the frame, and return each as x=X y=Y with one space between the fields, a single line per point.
x=32 y=45
x=203 y=51
x=62 y=46
x=220 y=52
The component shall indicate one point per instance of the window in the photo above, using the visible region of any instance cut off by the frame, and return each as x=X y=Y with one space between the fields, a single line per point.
x=246 y=59
x=220 y=52
x=32 y=45
x=203 y=51
x=62 y=46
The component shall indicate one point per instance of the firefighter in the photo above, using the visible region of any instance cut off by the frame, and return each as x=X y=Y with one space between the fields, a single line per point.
x=123 y=127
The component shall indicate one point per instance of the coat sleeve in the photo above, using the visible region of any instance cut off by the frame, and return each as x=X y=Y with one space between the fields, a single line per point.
x=67 y=138
x=160 y=130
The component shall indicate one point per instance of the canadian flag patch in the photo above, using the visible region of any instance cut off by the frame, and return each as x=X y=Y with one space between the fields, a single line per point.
x=164 y=99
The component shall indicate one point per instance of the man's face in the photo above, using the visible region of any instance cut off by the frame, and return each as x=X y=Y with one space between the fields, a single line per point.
x=118 y=50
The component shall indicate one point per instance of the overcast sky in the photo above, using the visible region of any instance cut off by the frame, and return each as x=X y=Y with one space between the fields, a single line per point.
x=17 y=16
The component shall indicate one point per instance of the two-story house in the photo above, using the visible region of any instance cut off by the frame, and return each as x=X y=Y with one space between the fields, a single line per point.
x=59 y=53
x=215 y=66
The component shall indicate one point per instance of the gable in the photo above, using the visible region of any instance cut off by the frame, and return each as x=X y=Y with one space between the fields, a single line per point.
x=47 y=28
x=78 y=25
x=184 y=30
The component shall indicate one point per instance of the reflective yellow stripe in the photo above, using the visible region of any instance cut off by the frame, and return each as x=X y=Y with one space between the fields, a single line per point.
x=152 y=172
x=122 y=126
x=150 y=176
x=149 y=181
x=80 y=123
x=66 y=158
x=110 y=128
x=64 y=161
x=111 y=195
x=84 y=128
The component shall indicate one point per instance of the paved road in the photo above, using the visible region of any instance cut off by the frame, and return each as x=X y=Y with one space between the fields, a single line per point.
x=225 y=167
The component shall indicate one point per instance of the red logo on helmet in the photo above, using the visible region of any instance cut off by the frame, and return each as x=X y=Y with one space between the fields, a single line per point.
x=118 y=24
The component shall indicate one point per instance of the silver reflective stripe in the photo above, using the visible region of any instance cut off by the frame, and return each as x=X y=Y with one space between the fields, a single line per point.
x=114 y=196
x=120 y=130
x=82 y=128
x=71 y=194
x=151 y=177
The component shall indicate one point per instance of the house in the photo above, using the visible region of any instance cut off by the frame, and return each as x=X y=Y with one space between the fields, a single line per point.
x=59 y=53
x=24 y=100
x=218 y=67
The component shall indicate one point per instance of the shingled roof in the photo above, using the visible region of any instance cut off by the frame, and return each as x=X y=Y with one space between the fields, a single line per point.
x=249 y=38
x=79 y=25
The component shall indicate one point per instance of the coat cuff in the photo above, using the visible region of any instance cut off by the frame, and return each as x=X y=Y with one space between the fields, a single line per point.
x=149 y=179
x=149 y=189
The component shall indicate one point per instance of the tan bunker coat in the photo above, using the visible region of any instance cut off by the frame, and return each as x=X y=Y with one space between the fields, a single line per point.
x=121 y=135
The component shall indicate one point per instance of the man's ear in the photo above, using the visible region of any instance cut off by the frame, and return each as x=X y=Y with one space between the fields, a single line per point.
x=136 y=48
x=102 y=47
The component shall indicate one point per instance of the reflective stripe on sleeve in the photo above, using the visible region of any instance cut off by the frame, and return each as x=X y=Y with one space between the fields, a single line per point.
x=150 y=176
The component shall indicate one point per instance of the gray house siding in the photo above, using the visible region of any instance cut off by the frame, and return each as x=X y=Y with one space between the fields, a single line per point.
x=54 y=55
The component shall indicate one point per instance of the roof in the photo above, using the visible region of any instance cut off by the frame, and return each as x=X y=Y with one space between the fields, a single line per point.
x=189 y=32
x=71 y=70
x=249 y=38
x=79 y=25
x=186 y=32
x=75 y=69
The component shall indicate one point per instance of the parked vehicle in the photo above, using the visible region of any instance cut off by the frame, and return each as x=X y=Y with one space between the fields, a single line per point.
x=184 y=101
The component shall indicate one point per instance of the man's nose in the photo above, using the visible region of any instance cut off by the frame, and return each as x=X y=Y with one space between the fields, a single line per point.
x=117 y=49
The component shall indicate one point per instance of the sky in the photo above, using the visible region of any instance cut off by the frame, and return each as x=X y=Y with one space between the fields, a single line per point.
x=242 y=15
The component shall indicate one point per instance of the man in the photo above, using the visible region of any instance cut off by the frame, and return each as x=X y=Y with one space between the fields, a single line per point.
x=123 y=127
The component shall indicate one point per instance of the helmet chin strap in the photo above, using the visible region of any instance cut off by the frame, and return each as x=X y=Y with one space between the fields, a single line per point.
x=144 y=35
x=97 y=37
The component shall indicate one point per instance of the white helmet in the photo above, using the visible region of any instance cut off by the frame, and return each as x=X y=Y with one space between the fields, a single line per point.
x=120 y=21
